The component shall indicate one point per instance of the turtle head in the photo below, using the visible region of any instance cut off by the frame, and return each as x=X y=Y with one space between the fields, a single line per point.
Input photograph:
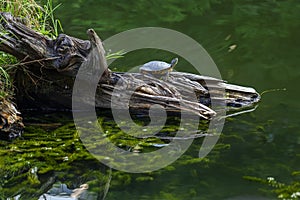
x=174 y=62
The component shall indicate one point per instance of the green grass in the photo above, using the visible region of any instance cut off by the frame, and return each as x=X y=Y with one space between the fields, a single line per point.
x=39 y=18
x=6 y=88
x=5 y=84
x=115 y=55
x=53 y=28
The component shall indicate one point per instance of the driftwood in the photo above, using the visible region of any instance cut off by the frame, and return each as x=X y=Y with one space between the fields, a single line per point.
x=47 y=69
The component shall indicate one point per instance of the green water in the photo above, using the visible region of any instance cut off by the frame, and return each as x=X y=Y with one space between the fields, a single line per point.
x=264 y=143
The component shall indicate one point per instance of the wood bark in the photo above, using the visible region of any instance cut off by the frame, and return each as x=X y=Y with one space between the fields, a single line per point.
x=11 y=125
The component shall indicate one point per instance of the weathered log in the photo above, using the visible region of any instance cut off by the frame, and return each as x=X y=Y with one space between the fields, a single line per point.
x=45 y=76
x=11 y=125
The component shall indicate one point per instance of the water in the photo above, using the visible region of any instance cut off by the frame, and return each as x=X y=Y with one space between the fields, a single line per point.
x=264 y=143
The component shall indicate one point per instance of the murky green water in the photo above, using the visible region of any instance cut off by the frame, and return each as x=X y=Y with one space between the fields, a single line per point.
x=264 y=143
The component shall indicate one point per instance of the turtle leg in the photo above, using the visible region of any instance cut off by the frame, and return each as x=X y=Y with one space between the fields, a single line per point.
x=165 y=77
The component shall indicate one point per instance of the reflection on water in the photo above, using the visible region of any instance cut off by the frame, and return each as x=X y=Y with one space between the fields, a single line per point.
x=61 y=191
x=254 y=43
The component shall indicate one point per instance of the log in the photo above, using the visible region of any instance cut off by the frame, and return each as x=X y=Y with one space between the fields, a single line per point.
x=11 y=125
x=47 y=69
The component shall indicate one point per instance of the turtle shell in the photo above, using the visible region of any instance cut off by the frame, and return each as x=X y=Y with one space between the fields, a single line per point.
x=156 y=67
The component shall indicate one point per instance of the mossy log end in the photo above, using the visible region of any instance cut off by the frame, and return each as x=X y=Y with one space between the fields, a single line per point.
x=47 y=69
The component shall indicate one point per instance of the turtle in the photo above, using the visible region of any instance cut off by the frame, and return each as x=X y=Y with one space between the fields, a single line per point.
x=158 y=69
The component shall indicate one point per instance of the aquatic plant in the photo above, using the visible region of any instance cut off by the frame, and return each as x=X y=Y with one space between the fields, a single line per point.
x=47 y=155
x=283 y=191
